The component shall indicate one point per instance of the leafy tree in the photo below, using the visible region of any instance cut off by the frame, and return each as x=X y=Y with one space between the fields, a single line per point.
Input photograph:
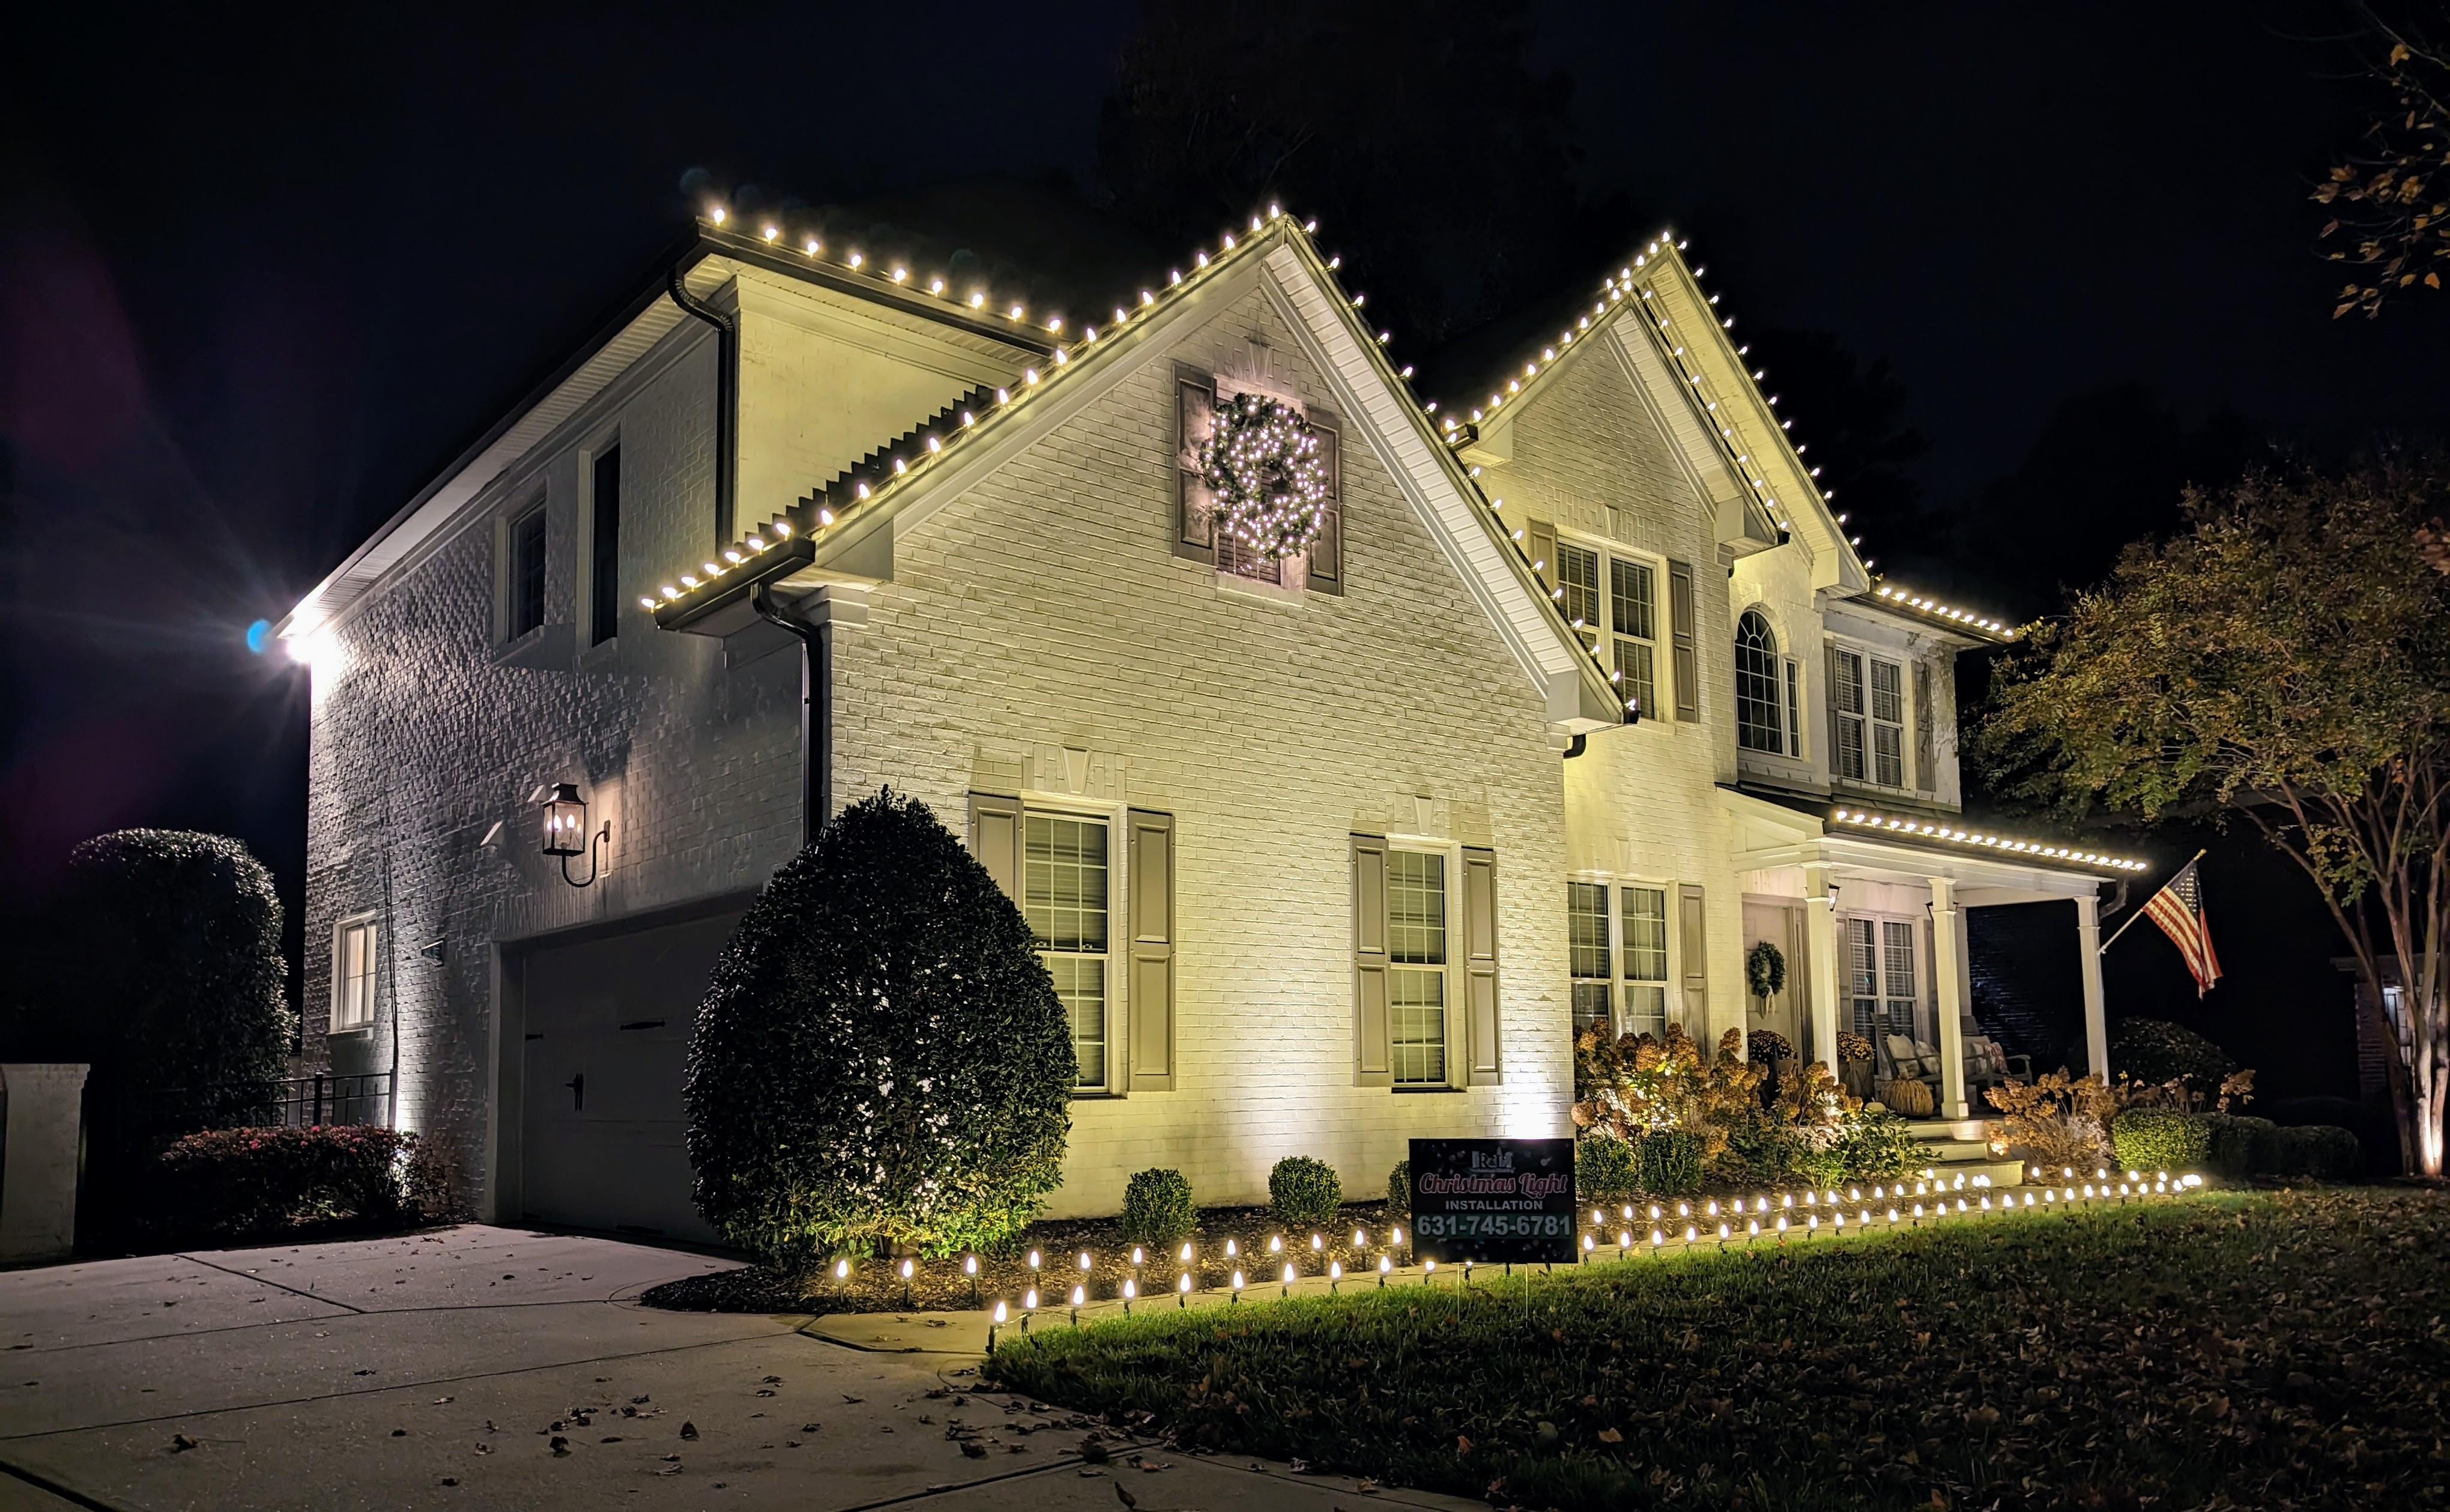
x=1367 y=115
x=166 y=973
x=2390 y=195
x=880 y=1060
x=2285 y=661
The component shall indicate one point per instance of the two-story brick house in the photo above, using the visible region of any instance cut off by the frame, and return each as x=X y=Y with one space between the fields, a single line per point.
x=1580 y=691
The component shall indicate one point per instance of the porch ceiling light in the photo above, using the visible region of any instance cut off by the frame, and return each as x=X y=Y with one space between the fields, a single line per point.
x=1925 y=829
x=565 y=833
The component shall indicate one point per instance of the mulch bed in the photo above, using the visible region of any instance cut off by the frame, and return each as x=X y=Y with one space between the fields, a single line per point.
x=876 y=1285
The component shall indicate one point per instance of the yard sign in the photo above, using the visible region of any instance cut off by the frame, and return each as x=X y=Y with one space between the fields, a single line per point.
x=1493 y=1200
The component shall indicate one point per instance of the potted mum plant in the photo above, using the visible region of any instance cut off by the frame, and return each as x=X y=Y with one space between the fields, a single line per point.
x=1854 y=1064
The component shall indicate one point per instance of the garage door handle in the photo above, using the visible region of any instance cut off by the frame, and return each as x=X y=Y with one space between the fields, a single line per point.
x=577 y=1086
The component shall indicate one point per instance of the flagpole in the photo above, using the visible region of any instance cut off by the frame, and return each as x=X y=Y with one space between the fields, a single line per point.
x=2139 y=912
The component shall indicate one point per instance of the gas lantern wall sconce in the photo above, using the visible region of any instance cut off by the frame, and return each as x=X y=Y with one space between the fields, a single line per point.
x=565 y=833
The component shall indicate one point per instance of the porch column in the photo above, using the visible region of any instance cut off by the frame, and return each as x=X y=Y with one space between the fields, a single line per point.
x=1820 y=942
x=2096 y=1024
x=1948 y=956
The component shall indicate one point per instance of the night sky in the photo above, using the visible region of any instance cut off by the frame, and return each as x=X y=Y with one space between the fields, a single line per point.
x=255 y=285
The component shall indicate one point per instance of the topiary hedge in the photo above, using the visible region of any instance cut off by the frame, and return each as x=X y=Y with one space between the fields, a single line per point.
x=1304 y=1193
x=2240 y=1147
x=1157 y=1210
x=1399 y=1191
x=2156 y=1050
x=2150 y=1139
x=1606 y=1168
x=880 y=1060
x=169 y=975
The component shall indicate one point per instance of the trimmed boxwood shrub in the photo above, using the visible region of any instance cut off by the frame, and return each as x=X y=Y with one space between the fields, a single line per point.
x=2156 y=1050
x=880 y=1060
x=1399 y=1191
x=1157 y=1207
x=1669 y=1162
x=1606 y=1168
x=2150 y=1139
x=169 y=975
x=227 y=1182
x=1304 y=1193
x=2241 y=1147
x=2323 y=1151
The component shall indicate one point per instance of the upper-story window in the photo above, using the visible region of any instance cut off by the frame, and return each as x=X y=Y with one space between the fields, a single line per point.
x=527 y=573
x=1769 y=690
x=1867 y=718
x=1612 y=602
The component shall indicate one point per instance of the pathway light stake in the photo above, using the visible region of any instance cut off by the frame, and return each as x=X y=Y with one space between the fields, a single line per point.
x=1317 y=1246
x=1288 y=1280
x=1182 y=1291
x=1131 y=1289
x=1386 y=1264
x=1466 y=1273
x=994 y=1324
x=1238 y=1286
x=1429 y=1269
x=1589 y=1244
x=1080 y=1294
x=841 y=1279
x=908 y=1267
x=1335 y=1275
x=1232 y=1250
x=1028 y=1309
x=970 y=1264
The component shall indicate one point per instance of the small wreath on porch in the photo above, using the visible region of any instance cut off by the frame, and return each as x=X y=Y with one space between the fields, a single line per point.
x=1262 y=462
x=1765 y=970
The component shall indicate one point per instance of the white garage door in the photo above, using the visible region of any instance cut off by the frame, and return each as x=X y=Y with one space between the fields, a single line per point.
x=603 y=1133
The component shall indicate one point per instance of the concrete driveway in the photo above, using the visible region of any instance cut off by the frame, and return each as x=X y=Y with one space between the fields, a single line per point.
x=498 y=1368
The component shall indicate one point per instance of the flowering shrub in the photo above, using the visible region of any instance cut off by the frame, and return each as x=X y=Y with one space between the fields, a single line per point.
x=1636 y=1088
x=1852 y=1046
x=1768 y=1044
x=2059 y=1120
x=230 y=1181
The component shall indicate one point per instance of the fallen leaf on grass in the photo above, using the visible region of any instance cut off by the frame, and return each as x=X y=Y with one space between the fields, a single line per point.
x=179 y=1443
x=560 y=1447
x=688 y=1430
x=1610 y=1436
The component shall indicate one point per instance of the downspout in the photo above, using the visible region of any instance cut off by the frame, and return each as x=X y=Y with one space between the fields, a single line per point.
x=812 y=734
x=1575 y=747
x=726 y=398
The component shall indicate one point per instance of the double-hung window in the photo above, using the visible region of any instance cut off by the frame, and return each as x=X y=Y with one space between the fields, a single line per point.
x=1603 y=944
x=1643 y=911
x=1586 y=941
x=353 y=974
x=526 y=573
x=1578 y=577
x=1416 y=967
x=1880 y=977
x=1867 y=718
x=1065 y=898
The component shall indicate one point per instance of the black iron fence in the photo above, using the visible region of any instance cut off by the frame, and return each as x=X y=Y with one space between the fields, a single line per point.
x=298 y=1102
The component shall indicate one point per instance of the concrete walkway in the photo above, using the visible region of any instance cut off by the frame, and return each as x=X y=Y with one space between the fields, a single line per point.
x=498 y=1368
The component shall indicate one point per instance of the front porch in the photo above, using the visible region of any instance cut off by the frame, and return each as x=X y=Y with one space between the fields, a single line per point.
x=1870 y=913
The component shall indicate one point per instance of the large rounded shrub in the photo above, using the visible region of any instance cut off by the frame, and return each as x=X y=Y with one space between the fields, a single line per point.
x=1158 y=1208
x=1606 y=1168
x=880 y=1060
x=2155 y=1050
x=169 y=975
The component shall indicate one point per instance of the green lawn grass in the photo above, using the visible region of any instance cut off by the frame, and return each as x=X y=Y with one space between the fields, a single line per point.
x=2225 y=1350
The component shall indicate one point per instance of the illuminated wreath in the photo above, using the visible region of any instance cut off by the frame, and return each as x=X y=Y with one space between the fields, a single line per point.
x=1261 y=461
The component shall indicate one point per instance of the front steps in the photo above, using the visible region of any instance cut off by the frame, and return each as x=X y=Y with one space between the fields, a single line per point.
x=1962 y=1146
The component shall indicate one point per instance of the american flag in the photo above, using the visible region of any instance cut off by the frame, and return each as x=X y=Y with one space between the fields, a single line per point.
x=2179 y=910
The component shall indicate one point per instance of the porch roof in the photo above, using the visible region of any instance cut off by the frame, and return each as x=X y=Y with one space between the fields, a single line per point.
x=1987 y=867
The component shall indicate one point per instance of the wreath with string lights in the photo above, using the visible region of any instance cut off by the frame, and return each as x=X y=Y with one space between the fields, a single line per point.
x=1262 y=464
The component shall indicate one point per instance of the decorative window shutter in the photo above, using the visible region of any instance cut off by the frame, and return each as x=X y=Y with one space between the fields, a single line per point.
x=1480 y=964
x=1693 y=958
x=1195 y=529
x=1327 y=553
x=1686 y=655
x=1152 y=926
x=1543 y=540
x=1372 y=1056
x=1924 y=778
x=995 y=840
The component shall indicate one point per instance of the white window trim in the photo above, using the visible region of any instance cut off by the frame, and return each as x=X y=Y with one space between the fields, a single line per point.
x=341 y=927
x=609 y=439
x=1454 y=1025
x=1662 y=669
x=1904 y=662
x=1114 y=816
x=1924 y=999
x=1672 y=989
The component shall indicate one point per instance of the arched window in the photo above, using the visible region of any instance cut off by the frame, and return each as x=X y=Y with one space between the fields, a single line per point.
x=1759 y=726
